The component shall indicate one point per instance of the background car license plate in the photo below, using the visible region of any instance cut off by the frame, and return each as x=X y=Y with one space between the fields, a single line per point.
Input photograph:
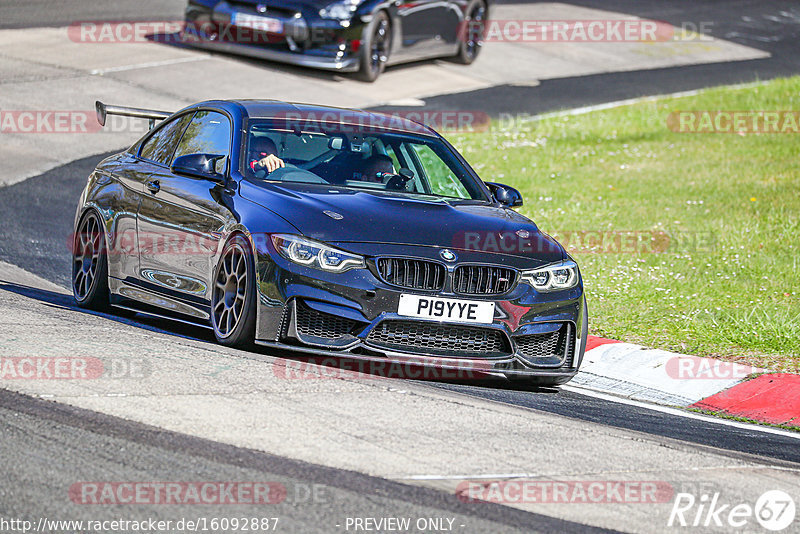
x=254 y=22
x=464 y=311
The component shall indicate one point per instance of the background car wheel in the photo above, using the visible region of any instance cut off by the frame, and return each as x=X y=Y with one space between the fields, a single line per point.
x=90 y=264
x=233 y=302
x=375 y=48
x=472 y=36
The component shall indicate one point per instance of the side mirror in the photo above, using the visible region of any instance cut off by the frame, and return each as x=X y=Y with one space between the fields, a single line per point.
x=201 y=166
x=505 y=194
x=406 y=174
x=399 y=181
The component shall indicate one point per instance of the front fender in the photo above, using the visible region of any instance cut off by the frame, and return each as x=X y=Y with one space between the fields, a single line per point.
x=256 y=223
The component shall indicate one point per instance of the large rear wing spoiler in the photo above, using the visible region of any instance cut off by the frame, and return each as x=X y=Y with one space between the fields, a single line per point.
x=152 y=115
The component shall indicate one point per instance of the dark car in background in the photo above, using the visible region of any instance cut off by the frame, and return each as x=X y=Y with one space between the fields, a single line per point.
x=361 y=36
x=374 y=239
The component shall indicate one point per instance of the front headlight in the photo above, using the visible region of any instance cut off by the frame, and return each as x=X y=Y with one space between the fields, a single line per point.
x=553 y=277
x=341 y=10
x=315 y=254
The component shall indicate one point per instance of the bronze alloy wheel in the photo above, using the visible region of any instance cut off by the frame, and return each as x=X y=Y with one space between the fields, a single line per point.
x=232 y=300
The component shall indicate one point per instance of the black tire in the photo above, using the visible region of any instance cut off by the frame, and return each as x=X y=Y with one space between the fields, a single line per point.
x=471 y=34
x=547 y=381
x=376 y=45
x=233 y=296
x=90 y=263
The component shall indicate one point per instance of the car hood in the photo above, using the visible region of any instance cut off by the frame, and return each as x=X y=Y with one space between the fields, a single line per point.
x=338 y=215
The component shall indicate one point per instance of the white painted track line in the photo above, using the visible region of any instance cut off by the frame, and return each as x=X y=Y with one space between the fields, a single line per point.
x=149 y=65
x=683 y=413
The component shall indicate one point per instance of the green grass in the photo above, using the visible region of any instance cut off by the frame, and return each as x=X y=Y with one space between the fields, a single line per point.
x=733 y=294
x=730 y=417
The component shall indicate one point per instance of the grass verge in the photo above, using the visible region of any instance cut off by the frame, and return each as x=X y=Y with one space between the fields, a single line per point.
x=724 y=415
x=687 y=242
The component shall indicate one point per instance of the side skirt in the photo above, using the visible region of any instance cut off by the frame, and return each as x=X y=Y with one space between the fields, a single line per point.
x=133 y=296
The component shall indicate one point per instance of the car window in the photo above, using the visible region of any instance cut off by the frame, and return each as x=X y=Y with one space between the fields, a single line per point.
x=160 y=146
x=398 y=158
x=303 y=147
x=440 y=177
x=208 y=133
x=395 y=159
x=373 y=159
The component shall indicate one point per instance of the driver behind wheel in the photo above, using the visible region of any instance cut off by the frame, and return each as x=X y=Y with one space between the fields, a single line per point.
x=263 y=155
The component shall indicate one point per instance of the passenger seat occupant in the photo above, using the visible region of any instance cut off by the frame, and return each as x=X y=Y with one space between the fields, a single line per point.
x=263 y=155
x=375 y=168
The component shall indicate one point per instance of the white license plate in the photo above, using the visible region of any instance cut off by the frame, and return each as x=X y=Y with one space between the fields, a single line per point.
x=462 y=311
x=255 y=22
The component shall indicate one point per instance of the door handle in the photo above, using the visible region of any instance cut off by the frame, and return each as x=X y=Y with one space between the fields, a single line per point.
x=154 y=186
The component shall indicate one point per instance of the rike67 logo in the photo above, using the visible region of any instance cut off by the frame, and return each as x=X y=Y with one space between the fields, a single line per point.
x=774 y=510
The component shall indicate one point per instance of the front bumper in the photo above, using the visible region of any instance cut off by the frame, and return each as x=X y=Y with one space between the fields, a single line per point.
x=397 y=365
x=345 y=64
x=354 y=315
x=305 y=40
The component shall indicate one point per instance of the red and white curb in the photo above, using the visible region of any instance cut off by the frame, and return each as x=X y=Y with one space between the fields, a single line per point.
x=668 y=378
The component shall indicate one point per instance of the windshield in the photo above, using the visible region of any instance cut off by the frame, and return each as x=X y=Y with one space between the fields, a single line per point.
x=370 y=160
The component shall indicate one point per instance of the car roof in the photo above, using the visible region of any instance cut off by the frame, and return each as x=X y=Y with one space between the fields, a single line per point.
x=271 y=109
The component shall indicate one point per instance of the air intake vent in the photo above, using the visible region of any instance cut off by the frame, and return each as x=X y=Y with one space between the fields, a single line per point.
x=412 y=274
x=553 y=348
x=311 y=323
x=483 y=280
x=439 y=339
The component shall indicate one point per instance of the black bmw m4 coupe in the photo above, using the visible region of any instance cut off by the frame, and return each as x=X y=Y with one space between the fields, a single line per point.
x=326 y=231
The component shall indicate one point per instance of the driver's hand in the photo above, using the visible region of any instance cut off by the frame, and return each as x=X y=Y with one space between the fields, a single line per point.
x=271 y=163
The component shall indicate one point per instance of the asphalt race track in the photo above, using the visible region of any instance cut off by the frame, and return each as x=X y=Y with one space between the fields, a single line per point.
x=38 y=13
x=153 y=454
x=356 y=457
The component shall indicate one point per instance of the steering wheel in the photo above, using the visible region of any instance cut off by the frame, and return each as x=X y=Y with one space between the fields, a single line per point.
x=263 y=174
x=291 y=173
